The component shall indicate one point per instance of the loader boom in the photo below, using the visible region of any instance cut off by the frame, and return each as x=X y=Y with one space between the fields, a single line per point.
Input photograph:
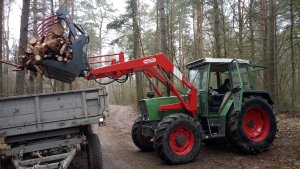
x=157 y=66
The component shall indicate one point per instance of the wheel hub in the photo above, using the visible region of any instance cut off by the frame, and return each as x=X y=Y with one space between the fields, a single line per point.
x=250 y=124
x=180 y=140
x=256 y=124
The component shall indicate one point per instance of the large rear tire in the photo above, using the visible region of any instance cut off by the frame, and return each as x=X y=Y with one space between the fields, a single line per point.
x=142 y=142
x=178 y=139
x=94 y=154
x=252 y=130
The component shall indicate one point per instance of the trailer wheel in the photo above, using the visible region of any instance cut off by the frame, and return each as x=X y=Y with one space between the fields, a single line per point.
x=178 y=139
x=252 y=130
x=94 y=155
x=142 y=142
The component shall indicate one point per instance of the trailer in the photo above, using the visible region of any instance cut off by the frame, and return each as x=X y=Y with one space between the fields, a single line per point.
x=49 y=130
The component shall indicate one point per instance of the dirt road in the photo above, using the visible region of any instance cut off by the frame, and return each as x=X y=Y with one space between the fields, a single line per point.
x=119 y=152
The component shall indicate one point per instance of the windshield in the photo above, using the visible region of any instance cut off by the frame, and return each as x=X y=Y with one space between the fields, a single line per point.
x=198 y=78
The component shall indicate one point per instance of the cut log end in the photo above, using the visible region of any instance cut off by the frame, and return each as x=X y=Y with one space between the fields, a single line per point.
x=38 y=57
x=32 y=41
x=57 y=29
x=60 y=58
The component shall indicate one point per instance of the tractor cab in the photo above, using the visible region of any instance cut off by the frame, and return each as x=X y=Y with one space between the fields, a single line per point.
x=217 y=79
x=221 y=83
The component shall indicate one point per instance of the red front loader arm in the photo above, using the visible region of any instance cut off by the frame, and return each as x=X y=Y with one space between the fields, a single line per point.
x=157 y=66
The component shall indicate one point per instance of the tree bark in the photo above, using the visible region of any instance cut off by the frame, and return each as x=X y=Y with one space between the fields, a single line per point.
x=225 y=33
x=271 y=50
x=163 y=27
x=1 y=44
x=216 y=29
x=163 y=34
x=264 y=33
x=241 y=22
x=198 y=28
x=22 y=43
x=292 y=53
x=136 y=48
x=251 y=20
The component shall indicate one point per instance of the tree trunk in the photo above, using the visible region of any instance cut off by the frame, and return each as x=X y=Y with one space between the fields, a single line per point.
x=52 y=7
x=292 y=54
x=1 y=44
x=163 y=31
x=225 y=33
x=264 y=33
x=216 y=30
x=271 y=50
x=241 y=22
x=136 y=49
x=251 y=20
x=22 y=43
x=198 y=28
x=7 y=49
x=180 y=42
x=158 y=34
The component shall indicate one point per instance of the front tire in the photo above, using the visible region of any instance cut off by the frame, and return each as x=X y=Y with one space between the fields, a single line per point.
x=142 y=142
x=178 y=139
x=252 y=130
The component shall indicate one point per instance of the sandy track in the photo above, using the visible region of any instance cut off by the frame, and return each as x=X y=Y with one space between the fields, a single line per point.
x=119 y=152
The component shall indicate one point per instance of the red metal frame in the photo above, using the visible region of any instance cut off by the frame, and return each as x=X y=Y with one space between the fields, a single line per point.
x=44 y=28
x=150 y=66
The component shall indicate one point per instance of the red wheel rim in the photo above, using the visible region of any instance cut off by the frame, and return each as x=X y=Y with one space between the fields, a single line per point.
x=256 y=124
x=181 y=140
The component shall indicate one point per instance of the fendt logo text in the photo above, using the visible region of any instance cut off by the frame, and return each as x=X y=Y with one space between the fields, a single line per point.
x=150 y=60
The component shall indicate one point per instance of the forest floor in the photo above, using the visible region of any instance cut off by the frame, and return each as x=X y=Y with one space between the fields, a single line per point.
x=119 y=152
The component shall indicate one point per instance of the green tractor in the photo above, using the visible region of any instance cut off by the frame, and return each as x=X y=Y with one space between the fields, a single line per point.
x=233 y=111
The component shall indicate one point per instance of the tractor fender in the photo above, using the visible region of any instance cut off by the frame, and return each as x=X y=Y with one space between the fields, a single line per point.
x=259 y=93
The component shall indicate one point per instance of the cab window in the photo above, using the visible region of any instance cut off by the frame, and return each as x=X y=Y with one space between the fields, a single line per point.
x=198 y=77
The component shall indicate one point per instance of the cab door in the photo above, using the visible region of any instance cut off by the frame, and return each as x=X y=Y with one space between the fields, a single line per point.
x=200 y=78
x=236 y=84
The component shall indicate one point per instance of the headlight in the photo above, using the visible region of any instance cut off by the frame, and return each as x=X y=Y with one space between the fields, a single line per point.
x=101 y=119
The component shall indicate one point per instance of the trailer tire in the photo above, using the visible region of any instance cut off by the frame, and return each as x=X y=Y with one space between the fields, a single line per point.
x=142 y=142
x=178 y=139
x=94 y=154
x=253 y=129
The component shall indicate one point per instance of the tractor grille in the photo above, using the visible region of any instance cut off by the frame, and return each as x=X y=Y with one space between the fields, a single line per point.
x=143 y=108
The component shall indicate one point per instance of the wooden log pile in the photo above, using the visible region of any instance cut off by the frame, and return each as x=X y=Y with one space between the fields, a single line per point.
x=54 y=46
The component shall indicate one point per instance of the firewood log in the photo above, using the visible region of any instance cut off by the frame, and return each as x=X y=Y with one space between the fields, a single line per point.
x=32 y=41
x=60 y=58
x=38 y=57
x=53 y=46
x=35 y=51
x=63 y=49
x=57 y=29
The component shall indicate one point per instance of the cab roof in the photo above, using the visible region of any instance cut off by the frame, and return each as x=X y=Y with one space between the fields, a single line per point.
x=218 y=64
